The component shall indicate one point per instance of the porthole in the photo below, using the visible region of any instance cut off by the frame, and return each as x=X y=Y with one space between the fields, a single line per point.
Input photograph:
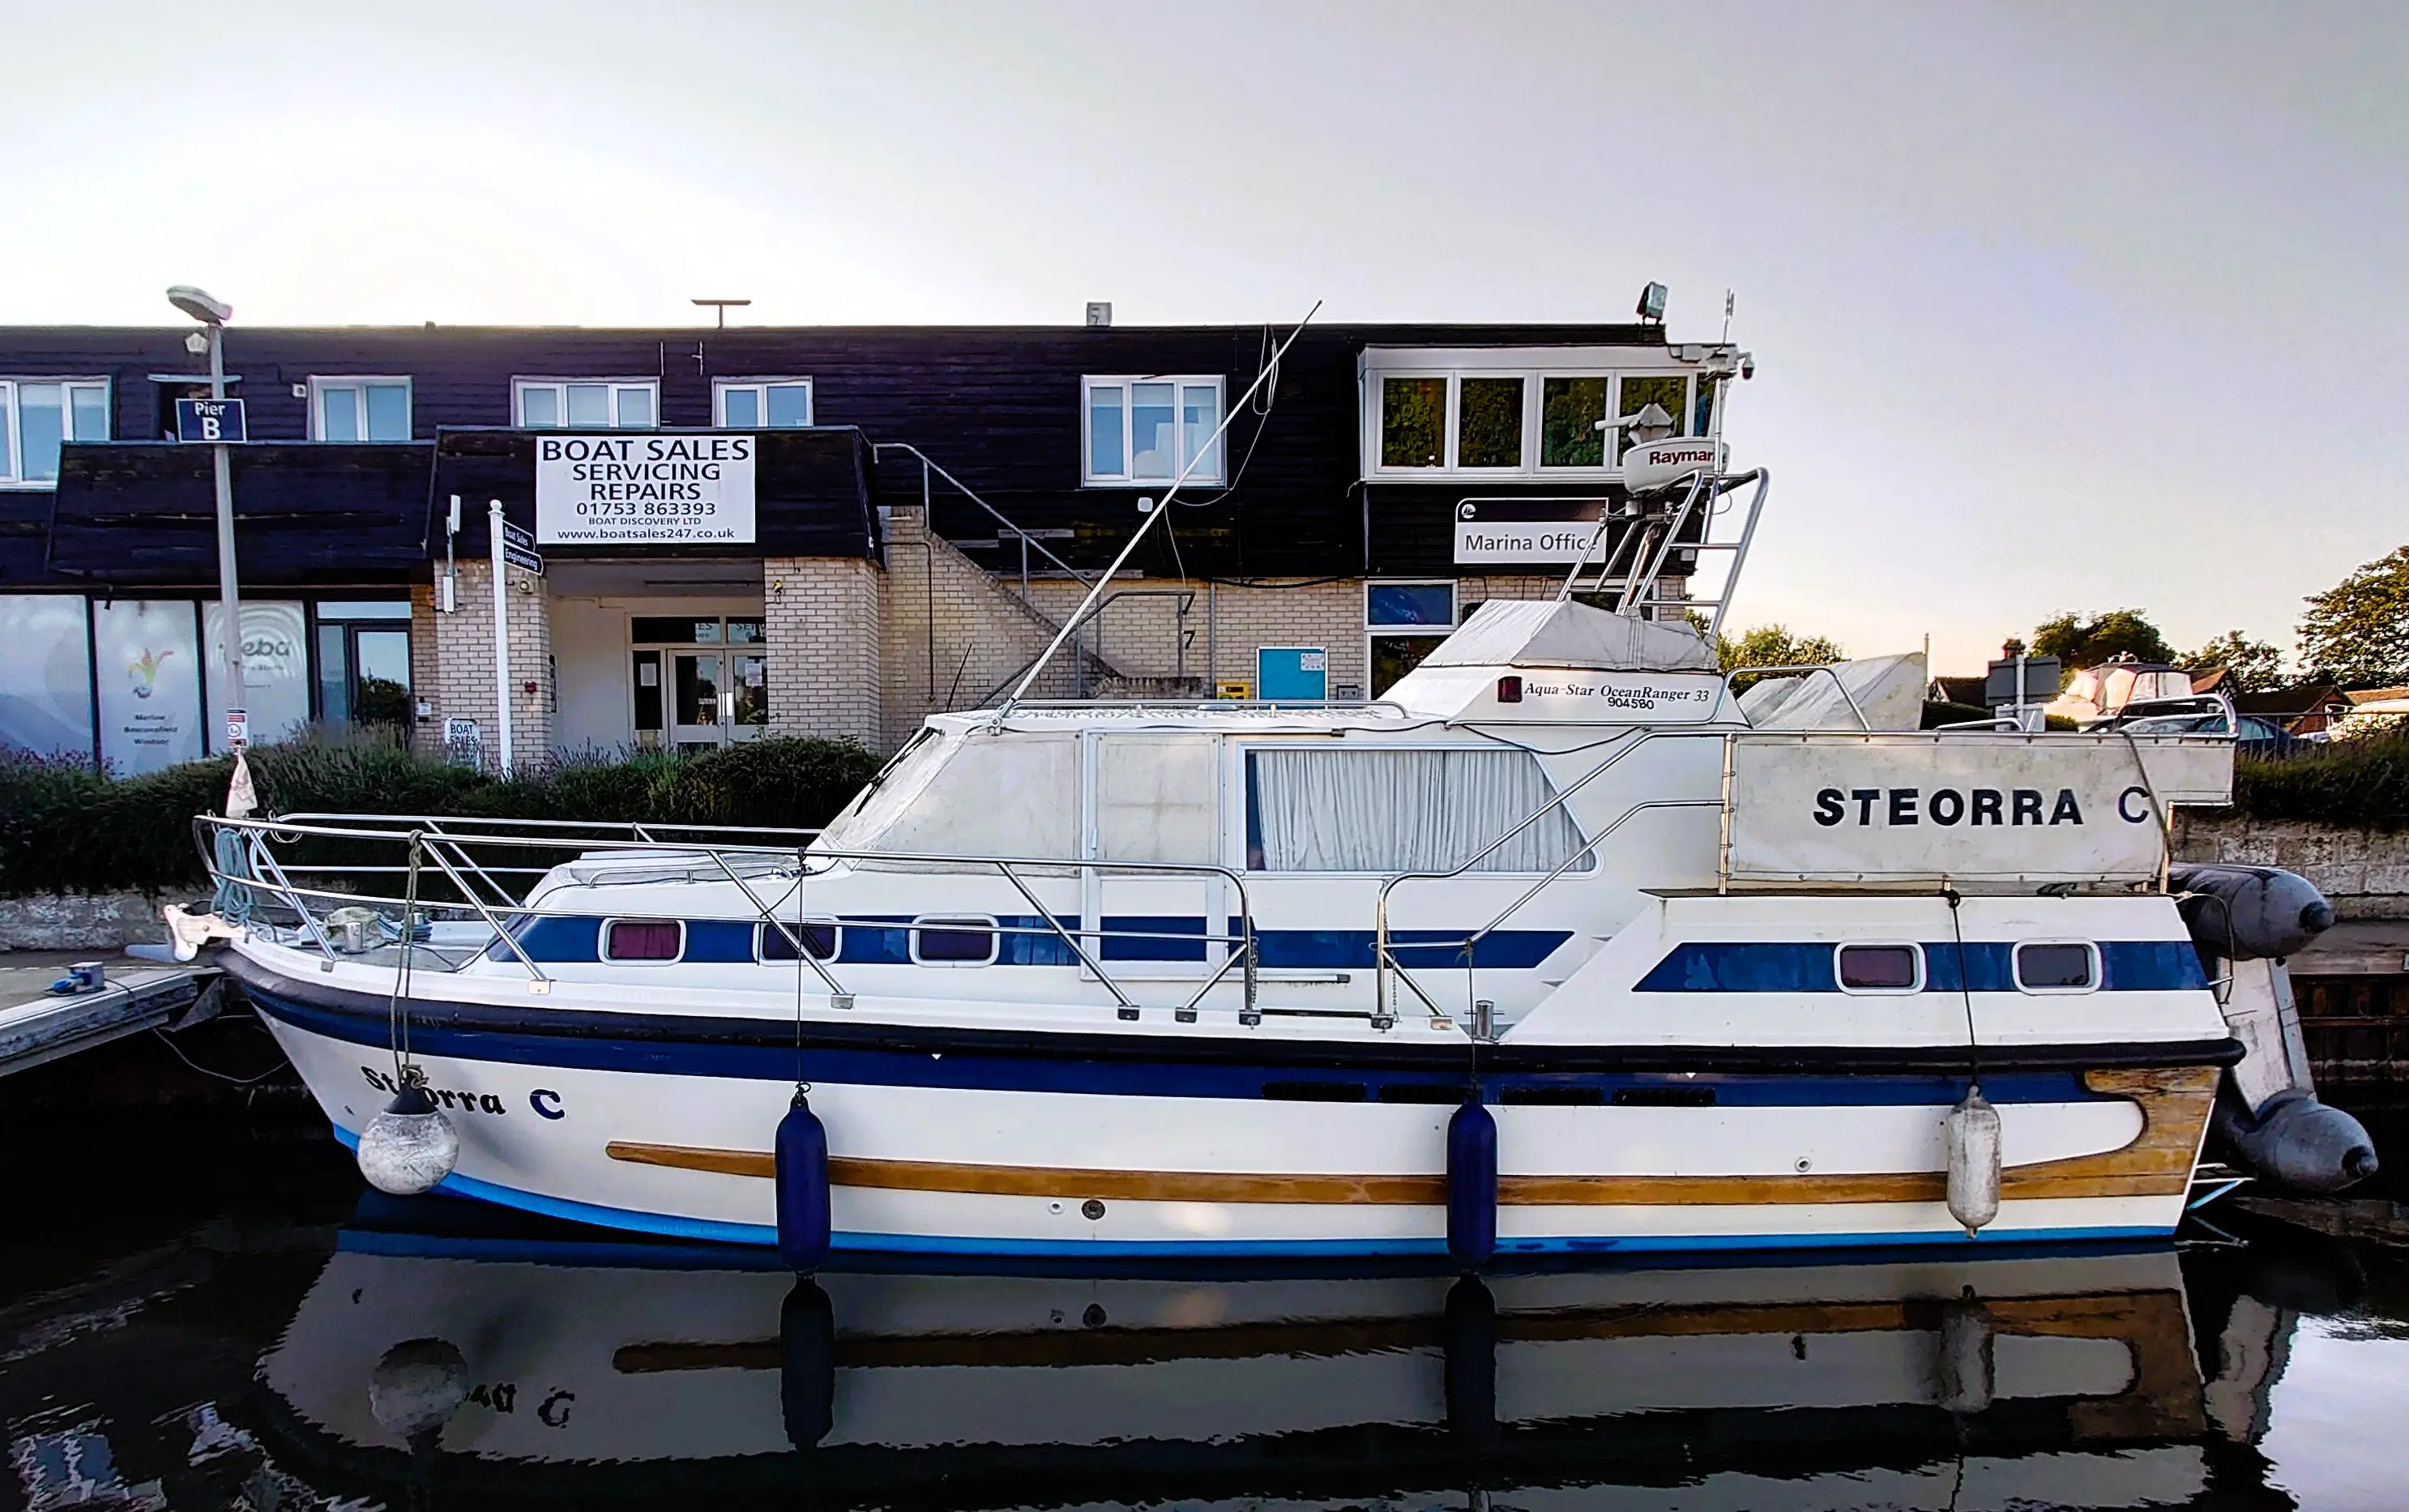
x=2057 y=966
x=819 y=937
x=1880 y=968
x=653 y=942
x=968 y=940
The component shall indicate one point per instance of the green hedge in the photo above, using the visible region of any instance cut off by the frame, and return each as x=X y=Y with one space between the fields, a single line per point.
x=64 y=828
x=2352 y=785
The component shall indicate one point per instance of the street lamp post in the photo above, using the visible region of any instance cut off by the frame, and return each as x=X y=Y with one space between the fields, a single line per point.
x=213 y=314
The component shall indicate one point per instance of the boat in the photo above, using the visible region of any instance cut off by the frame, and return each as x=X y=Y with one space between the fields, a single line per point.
x=478 y=1362
x=1568 y=943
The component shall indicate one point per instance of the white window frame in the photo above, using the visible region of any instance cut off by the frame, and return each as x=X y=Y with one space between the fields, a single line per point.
x=761 y=939
x=319 y=386
x=720 y=387
x=1089 y=478
x=2017 y=969
x=1534 y=365
x=12 y=473
x=520 y=385
x=602 y=942
x=957 y=922
x=1914 y=947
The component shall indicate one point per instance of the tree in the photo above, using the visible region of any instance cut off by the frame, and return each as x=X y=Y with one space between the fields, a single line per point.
x=2250 y=664
x=2356 y=632
x=1774 y=645
x=2078 y=642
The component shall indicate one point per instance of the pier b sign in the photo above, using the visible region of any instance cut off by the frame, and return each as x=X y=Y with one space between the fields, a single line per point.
x=634 y=490
x=215 y=421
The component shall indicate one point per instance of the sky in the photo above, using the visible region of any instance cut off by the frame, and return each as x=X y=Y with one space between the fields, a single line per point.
x=2054 y=307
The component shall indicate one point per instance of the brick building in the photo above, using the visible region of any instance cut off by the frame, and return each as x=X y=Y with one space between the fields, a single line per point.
x=824 y=531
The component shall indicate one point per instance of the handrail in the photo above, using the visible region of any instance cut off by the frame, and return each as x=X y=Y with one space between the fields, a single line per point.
x=1026 y=539
x=1471 y=945
x=1381 y=1017
x=1846 y=697
x=807 y=861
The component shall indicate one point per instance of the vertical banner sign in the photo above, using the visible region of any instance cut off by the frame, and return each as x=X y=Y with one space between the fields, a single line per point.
x=623 y=490
x=147 y=663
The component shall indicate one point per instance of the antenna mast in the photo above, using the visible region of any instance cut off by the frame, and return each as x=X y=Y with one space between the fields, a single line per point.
x=1162 y=508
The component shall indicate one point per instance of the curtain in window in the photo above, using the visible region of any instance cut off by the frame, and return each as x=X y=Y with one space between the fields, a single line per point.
x=1401 y=810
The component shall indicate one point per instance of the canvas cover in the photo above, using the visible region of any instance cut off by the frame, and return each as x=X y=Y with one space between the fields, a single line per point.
x=1889 y=690
x=1542 y=633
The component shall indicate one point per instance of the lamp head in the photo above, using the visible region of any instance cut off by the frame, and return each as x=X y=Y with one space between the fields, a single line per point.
x=199 y=304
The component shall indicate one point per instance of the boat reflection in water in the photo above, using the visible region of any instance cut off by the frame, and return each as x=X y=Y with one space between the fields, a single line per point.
x=512 y=1368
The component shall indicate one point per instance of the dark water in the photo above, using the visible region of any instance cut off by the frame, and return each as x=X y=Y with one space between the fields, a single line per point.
x=205 y=1317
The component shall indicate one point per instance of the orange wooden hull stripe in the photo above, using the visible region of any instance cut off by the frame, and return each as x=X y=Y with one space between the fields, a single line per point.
x=2157 y=1163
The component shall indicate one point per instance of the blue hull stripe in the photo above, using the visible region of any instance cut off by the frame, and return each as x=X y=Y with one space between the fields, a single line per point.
x=1808 y=966
x=1029 y=940
x=773 y=1062
x=906 y=1243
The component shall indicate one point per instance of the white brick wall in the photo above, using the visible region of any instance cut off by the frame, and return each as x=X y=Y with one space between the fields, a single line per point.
x=954 y=646
x=822 y=622
x=451 y=663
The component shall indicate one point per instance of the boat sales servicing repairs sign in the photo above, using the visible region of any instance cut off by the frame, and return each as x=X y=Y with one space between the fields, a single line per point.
x=640 y=490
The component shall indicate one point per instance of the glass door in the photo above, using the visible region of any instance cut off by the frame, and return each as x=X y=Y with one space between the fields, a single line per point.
x=699 y=681
x=697 y=689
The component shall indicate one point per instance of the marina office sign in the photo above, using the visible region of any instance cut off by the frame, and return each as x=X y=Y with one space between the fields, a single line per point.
x=1516 y=532
x=645 y=490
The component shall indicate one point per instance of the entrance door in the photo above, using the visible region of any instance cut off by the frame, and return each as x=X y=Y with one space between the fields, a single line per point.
x=717 y=696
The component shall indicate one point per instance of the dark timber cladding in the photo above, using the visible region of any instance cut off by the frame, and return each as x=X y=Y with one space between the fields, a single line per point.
x=305 y=513
x=998 y=407
x=812 y=493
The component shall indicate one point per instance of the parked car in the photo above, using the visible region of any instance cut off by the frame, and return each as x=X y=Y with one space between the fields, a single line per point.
x=2252 y=735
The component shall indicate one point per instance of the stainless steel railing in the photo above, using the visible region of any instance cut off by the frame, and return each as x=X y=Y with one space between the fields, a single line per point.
x=431 y=841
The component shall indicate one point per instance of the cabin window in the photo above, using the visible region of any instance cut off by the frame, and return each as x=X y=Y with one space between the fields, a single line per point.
x=587 y=404
x=359 y=409
x=1391 y=811
x=952 y=941
x=817 y=936
x=2057 y=966
x=1881 y=968
x=1152 y=429
x=643 y=939
x=761 y=403
x=37 y=418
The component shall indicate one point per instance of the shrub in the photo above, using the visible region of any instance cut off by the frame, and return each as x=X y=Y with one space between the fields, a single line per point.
x=2353 y=785
x=66 y=827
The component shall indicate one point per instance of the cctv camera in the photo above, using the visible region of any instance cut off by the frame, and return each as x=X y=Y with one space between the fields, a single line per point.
x=1748 y=365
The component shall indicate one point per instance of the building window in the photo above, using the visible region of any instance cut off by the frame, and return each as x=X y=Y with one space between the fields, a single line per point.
x=1403 y=623
x=363 y=664
x=39 y=416
x=1531 y=423
x=762 y=403
x=1151 y=430
x=360 y=409
x=587 y=404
